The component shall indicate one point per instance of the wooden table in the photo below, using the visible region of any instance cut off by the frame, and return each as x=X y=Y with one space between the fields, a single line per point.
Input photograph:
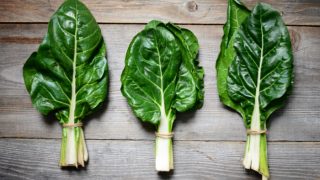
x=209 y=144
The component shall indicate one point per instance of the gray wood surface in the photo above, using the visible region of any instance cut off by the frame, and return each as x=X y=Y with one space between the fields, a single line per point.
x=134 y=160
x=209 y=144
x=295 y=12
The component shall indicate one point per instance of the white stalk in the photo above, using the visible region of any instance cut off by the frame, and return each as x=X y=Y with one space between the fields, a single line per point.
x=85 y=151
x=71 y=149
x=71 y=155
x=164 y=160
x=252 y=156
x=82 y=149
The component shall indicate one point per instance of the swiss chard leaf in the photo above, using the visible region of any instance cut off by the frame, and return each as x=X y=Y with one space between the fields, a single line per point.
x=263 y=68
x=236 y=14
x=189 y=88
x=255 y=74
x=149 y=77
x=68 y=75
x=162 y=76
x=162 y=72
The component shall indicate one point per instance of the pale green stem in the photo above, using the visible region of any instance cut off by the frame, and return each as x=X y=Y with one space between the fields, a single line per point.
x=164 y=152
x=256 y=147
x=73 y=147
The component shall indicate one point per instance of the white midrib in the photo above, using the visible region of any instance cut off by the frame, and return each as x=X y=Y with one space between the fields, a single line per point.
x=254 y=158
x=163 y=126
x=71 y=157
x=73 y=85
x=163 y=158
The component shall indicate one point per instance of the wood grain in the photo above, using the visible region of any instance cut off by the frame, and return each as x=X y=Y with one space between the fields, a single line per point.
x=298 y=12
x=134 y=160
x=209 y=144
x=298 y=121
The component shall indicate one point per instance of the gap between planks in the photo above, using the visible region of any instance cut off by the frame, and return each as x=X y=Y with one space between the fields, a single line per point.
x=137 y=23
x=151 y=140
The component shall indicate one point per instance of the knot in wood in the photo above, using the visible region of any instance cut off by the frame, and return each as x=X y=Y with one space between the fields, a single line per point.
x=192 y=6
x=295 y=39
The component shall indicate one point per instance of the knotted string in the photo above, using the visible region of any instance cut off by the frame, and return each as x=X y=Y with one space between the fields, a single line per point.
x=255 y=132
x=164 y=135
x=69 y=125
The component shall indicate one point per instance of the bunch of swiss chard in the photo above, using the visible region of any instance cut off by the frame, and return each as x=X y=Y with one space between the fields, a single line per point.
x=162 y=76
x=68 y=75
x=254 y=73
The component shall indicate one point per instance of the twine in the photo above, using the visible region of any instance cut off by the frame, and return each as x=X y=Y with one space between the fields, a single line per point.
x=164 y=135
x=79 y=124
x=255 y=132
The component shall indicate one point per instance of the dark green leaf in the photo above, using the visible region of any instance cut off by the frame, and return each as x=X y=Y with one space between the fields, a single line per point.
x=68 y=74
x=161 y=72
x=255 y=73
x=263 y=67
x=189 y=89
x=236 y=14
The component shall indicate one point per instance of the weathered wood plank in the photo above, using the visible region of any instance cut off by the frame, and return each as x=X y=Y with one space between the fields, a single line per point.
x=298 y=12
x=38 y=159
x=299 y=121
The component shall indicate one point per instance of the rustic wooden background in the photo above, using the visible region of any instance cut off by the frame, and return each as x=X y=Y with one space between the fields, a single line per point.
x=209 y=144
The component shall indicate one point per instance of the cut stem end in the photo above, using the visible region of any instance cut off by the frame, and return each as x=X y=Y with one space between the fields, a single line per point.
x=73 y=147
x=164 y=154
x=255 y=157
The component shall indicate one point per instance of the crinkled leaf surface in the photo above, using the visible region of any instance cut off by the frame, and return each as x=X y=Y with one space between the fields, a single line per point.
x=263 y=66
x=236 y=14
x=68 y=74
x=161 y=72
x=190 y=85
